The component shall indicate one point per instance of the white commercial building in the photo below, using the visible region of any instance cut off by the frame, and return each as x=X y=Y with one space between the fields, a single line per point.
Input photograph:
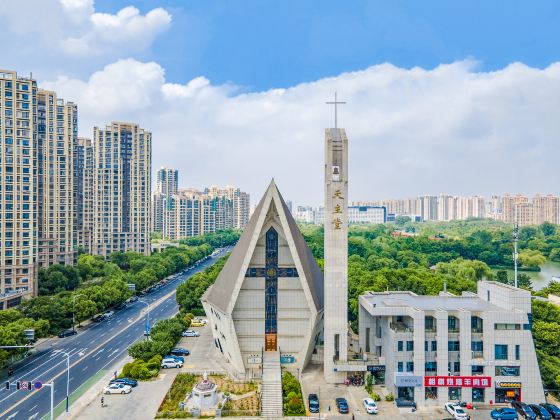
x=433 y=349
x=367 y=214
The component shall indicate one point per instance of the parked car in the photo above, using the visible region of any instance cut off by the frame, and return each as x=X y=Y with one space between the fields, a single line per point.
x=342 y=405
x=197 y=324
x=179 y=351
x=120 y=306
x=456 y=411
x=191 y=333
x=370 y=406
x=171 y=363
x=97 y=318
x=504 y=414
x=552 y=409
x=523 y=410
x=133 y=299
x=117 y=389
x=126 y=381
x=541 y=412
x=172 y=357
x=313 y=403
x=67 y=333
x=403 y=402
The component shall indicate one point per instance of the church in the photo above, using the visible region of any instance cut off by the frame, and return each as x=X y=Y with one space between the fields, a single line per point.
x=268 y=298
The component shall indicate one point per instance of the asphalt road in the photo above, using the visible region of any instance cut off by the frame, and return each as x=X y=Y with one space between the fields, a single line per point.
x=94 y=348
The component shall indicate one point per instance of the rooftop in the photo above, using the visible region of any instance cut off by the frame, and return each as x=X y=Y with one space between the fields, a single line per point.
x=447 y=302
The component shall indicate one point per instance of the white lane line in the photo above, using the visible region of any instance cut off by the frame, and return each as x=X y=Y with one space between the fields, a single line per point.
x=12 y=415
x=33 y=408
x=33 y=416
x=85 y=368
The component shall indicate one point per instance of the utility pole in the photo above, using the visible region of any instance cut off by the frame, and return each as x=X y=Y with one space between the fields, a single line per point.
x=515 y=253
x=51 y=386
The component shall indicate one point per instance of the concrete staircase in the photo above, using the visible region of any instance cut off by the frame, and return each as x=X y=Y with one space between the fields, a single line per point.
x=271 y=389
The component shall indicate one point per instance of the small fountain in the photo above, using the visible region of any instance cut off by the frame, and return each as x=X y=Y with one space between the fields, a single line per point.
x=204 y=395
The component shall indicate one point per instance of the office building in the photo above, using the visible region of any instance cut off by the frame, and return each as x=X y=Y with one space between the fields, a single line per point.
x=57 y=141
x=18 y=189
x=476 y=347
x=367 y=214
x=122 y=156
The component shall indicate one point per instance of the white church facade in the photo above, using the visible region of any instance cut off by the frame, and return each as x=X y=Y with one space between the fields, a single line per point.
x=269 y=295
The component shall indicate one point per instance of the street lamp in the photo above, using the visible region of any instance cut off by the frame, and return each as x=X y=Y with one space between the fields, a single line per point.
x=147 y=333
x=67 y=376
x=74 y=309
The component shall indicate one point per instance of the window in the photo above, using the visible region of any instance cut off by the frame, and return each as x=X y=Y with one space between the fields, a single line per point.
x=457 y=367
x=507 y=370
x=434 y=345
x=478 y=394
x=477 y=370
x=452 y=324
x=476 y=346
x=410 y=366
x=507 y=326
x=409 y=345
x=399 y=366
x=399 y=346
x=431 y=367
x=501 y=351
x=453 y=346
x=517 y=351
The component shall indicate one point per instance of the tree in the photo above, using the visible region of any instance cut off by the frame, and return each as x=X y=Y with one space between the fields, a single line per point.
x=502 y=276
x=531 y=258
x=555 y=254
x=548 y=229
x=402 y=220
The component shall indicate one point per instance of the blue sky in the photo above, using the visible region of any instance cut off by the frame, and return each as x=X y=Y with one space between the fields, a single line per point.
x=450 y=96
x=265 y=44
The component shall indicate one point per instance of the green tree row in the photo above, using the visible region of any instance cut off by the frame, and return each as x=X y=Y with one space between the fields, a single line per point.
x=291 y=393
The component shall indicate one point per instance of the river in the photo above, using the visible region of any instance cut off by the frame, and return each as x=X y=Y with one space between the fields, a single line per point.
x=541 y=278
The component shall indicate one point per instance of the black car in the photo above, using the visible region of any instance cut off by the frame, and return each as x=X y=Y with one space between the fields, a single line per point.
x=342 y=405
x=403 y=402
x=133 y=299
x=97 y=318
x=552 y=409
x=178 y=351
x=541 y=412
x=125 y=381
x=524 y=410
x=120 y=306
x=313 y=403
x=67 y=333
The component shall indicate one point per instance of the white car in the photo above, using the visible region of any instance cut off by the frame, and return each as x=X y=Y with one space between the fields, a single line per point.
x=370 y=406
x=191 y=333
x=116 y=388
x=171 y=363
x=108 y=314
x=456 y=411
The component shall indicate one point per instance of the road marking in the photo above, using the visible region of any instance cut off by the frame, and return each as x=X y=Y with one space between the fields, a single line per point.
x=33 y=416
x=33 y=408
x=84 y=369
x=63 y=372
x=12 y=416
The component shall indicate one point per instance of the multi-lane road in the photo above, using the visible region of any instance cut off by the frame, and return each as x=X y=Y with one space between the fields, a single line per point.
x=94 y=349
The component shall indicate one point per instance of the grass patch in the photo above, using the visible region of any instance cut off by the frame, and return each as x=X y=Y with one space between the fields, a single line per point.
x=182 y=385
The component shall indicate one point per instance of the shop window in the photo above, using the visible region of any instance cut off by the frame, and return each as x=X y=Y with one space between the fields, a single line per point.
x=478 y=395
x=431 y=393
x=454 y=394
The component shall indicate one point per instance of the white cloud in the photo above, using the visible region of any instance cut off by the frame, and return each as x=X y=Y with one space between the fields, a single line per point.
x=61 y=30
x=411 y=131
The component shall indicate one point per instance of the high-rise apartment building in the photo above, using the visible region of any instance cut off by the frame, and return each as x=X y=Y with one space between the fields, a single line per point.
x=122 y=156
x=18 y=189
x=546 y=209
x=83 y=193
x=57 y=137
x=167 y=181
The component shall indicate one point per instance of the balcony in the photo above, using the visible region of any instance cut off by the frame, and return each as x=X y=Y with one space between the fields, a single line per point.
x=477 y=354
x=400 y=327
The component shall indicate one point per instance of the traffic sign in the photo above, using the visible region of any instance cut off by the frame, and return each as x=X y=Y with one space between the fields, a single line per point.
x=23 y=385
x=38 y=385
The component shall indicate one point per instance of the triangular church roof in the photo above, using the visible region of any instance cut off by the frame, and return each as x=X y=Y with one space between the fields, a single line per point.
x=221 y=292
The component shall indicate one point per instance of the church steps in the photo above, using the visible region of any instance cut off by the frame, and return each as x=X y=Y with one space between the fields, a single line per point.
x=271 y=390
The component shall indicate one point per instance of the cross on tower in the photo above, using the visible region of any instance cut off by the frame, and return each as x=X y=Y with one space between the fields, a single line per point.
x=335 y=103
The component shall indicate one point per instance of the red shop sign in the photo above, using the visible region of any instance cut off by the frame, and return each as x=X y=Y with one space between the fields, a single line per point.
x=458 y=381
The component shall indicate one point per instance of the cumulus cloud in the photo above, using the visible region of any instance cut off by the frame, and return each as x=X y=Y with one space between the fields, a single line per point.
x=411 y=131
x=57 y=30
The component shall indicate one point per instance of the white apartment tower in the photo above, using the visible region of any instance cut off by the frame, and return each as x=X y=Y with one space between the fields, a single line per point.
x=336 y=254
x=122 y=185
x=83 y=194
x=18 y=189
x=57 y=137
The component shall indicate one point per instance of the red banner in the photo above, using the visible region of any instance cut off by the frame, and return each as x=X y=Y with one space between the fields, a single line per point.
x=458 y=381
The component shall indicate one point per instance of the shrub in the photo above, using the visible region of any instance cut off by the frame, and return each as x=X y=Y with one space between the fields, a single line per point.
x=390 y=397
x=375 y=396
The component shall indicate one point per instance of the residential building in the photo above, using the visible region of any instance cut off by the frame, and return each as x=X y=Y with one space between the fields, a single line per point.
x=367 y=214
x=57 y=140
x=167 y=181
x=122 y=185
x=476 y=347
x=18 y=188
x=546 y=209
x=84 y=193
